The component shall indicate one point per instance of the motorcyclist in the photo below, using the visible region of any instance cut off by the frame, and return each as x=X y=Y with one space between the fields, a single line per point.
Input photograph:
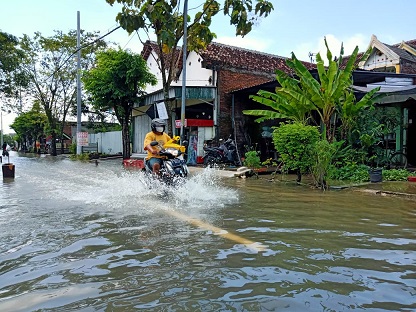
x=153 y=159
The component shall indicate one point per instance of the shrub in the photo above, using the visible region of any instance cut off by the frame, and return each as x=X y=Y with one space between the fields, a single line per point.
x=324 y=153
x=396 y=175
x=252 y=159
x=350 y=172
x=295 y=145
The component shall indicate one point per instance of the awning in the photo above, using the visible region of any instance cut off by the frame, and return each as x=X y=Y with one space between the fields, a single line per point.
x=391 y=94
x=385 y=89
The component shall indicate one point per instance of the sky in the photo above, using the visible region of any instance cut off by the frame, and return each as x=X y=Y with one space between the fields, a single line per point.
x=297 y=26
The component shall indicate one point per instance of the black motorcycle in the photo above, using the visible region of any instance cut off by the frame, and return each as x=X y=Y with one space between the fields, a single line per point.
x=225 y=154
x=173 y=165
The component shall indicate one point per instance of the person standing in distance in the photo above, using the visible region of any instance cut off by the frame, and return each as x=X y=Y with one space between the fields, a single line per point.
x=153 y=159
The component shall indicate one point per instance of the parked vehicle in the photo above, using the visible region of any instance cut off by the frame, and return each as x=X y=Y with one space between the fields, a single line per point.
x=225 y=154
x=174 y=165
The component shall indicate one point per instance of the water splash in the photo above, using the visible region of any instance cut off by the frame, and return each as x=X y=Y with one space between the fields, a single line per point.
x=111 y=188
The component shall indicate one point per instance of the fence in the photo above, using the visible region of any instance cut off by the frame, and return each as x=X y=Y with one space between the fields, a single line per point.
x=108 y=142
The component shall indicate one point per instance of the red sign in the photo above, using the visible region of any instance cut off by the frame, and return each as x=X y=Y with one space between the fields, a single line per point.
x=195 y=123
x=82 y=138
x=178 y=123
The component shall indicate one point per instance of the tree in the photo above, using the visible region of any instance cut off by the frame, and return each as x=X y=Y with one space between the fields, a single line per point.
x=114 y=84
x=31 y=125
x=164 y=19
x=51 y=70
x=11 y=77
x=302 y=94
x=10 y=56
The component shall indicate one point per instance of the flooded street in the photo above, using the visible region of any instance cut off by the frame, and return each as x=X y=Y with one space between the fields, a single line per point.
x=79 y=237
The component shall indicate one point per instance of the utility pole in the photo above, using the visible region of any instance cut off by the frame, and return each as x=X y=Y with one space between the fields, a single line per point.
x=184 y=49
x=1 y=121
x=78 y=83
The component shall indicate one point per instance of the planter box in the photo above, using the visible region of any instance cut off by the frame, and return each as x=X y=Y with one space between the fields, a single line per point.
x=376 y=175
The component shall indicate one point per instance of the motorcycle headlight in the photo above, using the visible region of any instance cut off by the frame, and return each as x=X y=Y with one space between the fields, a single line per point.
x=173 y=151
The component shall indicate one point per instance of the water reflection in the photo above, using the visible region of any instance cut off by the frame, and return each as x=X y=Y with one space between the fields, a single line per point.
x=80 y=237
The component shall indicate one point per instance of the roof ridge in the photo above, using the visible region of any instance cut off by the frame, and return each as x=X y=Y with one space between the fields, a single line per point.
x=248 y=50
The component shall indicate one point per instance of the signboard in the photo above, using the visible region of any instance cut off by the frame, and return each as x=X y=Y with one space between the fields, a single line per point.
x=178 y=123
x=82 y=138
x=161 y=110
x=195 y=123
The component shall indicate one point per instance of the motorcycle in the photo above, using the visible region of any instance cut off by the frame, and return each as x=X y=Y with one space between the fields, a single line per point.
x=173 y=165
x=225 y=154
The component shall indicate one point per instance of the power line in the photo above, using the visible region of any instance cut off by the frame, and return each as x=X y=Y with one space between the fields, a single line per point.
x=81 y=47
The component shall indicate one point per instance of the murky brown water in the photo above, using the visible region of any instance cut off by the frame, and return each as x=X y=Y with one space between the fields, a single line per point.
x=80 y=237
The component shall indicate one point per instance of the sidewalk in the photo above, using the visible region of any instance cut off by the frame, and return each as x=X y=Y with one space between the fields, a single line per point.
x=226 y=173
x=386 y=188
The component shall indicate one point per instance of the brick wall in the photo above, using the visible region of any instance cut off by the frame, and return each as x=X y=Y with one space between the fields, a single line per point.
x=407 y=67
x=231 y=80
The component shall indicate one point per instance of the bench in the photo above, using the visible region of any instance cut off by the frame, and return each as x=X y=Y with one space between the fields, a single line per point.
x=90 y=148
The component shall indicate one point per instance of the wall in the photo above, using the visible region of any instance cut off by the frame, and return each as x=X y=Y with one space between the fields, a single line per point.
x=108 y=142
x=141 y=126
x=195 y=74
x=231 y=80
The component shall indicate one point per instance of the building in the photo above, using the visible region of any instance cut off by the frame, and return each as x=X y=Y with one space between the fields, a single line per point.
x=211 y=76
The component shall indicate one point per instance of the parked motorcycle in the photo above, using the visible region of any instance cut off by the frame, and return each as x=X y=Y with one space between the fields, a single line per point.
x=173 y=165
x=225 y=154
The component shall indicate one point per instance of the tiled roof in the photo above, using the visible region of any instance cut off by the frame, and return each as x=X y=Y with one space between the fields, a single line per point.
x=395 y=48
x=410 y=42
x=402 y=53
x=233 y=58
x=244 y=59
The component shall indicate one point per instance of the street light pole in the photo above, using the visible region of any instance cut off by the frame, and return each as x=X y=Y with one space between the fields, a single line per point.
x=78 y=83
x=1 y=121
x=184 y=49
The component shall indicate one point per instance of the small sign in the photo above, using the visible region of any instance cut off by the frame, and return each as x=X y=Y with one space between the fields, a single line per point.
x=82 y=138
x=161 y=110
x=178 y=123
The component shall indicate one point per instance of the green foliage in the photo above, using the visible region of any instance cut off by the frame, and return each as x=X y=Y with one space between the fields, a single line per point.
x=252 y=159
x=350 y=172
x=84 y=157
x=295 y=145
x=324 y=154
x=114 y=84
x=301 y=94
x=396 y=175
x=269 y=162
x=73 y=148
x=360 y=173
x=30 y=125
x=11 y=77
x=52 y=77
x=164 y=19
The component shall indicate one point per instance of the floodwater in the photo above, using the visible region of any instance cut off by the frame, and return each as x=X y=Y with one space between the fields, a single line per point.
x=83 y=237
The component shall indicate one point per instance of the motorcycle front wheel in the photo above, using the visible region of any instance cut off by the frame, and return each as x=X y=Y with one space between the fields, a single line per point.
x=210 y=161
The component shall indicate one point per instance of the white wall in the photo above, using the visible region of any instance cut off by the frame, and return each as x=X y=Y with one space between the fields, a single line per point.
x=195 y=74
x=154 y=69
x=108 y=142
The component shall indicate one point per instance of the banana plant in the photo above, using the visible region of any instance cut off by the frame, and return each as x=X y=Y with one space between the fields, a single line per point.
x=288 y=101
x=302 y=94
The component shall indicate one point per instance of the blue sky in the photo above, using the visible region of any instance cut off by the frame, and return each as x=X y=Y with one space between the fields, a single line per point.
x=294 y=25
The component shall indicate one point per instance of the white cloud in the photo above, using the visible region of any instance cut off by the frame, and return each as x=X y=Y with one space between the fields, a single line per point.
x=302 y=50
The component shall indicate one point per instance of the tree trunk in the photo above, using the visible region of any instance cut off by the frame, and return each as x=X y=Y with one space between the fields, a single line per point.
x=53 y=144
x=125 y=133
x=299 y=176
